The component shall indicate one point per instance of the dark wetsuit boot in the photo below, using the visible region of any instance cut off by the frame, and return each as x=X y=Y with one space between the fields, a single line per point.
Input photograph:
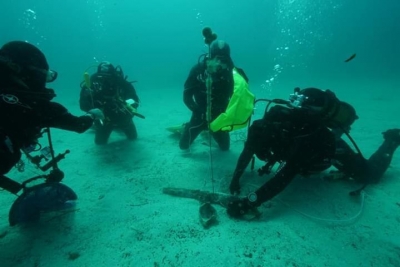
x=381 y=159
x=192 y=129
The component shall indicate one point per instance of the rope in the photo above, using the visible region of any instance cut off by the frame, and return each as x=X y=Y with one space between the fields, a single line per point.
x=208 y=114
x=351 y=219
x=208 y=118
x=346 y=220
x=211 y=165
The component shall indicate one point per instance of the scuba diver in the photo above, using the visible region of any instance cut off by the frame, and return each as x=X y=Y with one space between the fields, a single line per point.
x=109 y=91
x=26 y=109
x=208 y=91
x=303 y=135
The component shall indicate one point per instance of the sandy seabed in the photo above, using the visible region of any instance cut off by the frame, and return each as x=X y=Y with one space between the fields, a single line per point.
x=123 y=218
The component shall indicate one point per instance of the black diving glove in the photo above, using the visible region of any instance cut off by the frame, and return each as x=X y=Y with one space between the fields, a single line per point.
x=132 y=103
x=239 y=207
x=234 y=187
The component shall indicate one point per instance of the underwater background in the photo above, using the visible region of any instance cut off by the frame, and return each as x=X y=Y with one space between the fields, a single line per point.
x=157 y=41
x=123 y=217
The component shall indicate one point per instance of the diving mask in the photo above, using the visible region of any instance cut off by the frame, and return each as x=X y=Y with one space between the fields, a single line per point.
x=106 y=68
x=215 y=65
x=51 y=75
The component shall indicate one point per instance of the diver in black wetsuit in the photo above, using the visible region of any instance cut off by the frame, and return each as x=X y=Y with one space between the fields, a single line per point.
x=306 y=138
x=219 y=66
x=110 y=91
x=26 y=107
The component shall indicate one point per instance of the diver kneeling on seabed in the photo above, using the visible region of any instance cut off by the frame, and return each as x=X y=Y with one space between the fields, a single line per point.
x=217 y=93
x=109 y=90
x=27 y=113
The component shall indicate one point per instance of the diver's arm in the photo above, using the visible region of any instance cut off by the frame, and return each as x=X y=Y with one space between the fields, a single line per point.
x=244 y=160
x=350 y=163
x=237 y=208
x=302 y=155
x=242 y=163
x=59 y=117
x=188 y=100
x=131 y=93
x=277 y=184
x=190 y=86
x=86 y=99
x=284 y=175
x=73 y=123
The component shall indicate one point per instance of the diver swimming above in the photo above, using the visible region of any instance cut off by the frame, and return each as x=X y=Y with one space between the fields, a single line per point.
x=304 y=137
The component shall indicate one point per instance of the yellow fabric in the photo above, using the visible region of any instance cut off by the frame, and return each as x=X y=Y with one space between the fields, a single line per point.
x=239 y=109
x=86 y=78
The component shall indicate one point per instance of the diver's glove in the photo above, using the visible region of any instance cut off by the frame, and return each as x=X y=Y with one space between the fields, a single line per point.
x=48 y=94
x=234 y=187
x=239 y=207
x=132 y=103
x=96 y=114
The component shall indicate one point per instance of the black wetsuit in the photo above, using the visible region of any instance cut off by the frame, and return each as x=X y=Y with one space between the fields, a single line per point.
x=195 y=98
x=22 y=119
x=109 y=94
x=302 y=145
